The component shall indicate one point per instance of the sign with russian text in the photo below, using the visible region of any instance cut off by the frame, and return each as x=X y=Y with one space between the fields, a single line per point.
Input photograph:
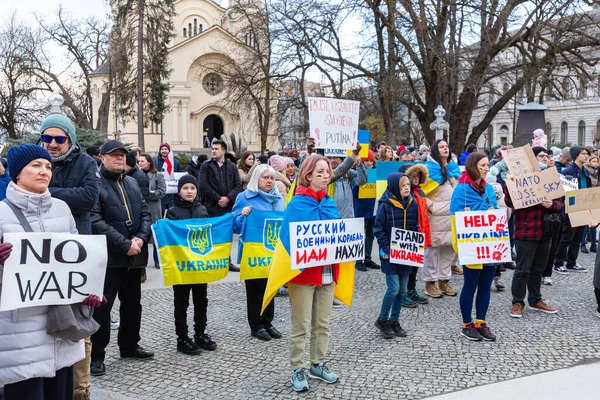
x=482 y=237
x=582 y=206
x=172 y=183
x=52 y=268
x=316 y=243
x=407 y=247
x=531 y=185
x=333 y=122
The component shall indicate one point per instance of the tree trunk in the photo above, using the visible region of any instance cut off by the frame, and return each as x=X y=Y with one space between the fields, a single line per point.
x=140 y=75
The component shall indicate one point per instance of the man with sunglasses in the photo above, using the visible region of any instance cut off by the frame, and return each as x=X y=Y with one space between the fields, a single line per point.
x=76 y=181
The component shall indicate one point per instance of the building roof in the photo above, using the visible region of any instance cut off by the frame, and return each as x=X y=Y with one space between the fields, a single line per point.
x=104 y=69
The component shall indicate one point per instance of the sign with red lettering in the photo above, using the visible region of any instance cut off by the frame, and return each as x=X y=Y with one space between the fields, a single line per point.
x=316 y=243
x=482 y=237
x=407 y=247
x=333 y=122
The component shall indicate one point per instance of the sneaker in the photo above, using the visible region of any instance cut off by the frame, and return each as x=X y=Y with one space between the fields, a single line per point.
x=299 y=381
x=205 y=342
x=398 y=331
x=584 y=249
x=470 y=332
x=282 y=291
x=485 y=332
x=408 y=302
x=543 y=307
x=432 y=290
x=114 y=323
x=576 y=268
x=498 y=285
x=337 y=303
x=417 y=298
x=561 y=270
x=457 y=270
x=547 y=280
x=446 y=288
x=385 y=328
x=187 y=346
x=372 y=265
x=320 y=371
x=360 y=266
x=517 y=310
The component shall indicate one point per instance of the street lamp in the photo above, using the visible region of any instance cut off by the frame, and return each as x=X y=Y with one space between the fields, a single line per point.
x=439 y=125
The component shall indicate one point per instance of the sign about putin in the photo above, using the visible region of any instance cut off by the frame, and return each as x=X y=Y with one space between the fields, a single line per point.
x=52 y=268
x=333 y=123
x=482 y=237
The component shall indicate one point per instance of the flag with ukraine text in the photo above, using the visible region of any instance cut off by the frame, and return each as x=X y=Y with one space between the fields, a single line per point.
x=258 y=238
x=194 y=250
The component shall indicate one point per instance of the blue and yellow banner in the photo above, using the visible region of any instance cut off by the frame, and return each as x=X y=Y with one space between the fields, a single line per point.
x=260 y=233
x=194 y=250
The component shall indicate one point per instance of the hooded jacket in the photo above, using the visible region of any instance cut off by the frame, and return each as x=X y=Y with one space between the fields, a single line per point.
x=422 y=200
x=186 y=209
x=27 y=350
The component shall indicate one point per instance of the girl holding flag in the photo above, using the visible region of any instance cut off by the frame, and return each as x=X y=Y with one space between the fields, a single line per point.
x=439 y=257
x=260 y=195
x=473 y=193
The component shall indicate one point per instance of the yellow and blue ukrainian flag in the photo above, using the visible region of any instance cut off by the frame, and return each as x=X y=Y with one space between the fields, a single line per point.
x=260 y=233
x=435 y=175
x=194 y=250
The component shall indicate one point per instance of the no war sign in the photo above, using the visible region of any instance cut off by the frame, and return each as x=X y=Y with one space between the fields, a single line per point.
x=315 y=243
x=52 y=268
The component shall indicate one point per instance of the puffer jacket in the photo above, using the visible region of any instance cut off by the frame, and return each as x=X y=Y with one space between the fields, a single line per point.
x=109 y=216
x=186 y=209
x=27 y=350
x=157 y=191
x=142 y=179
x=404 y=215
x=75 y=180
x=439 y=217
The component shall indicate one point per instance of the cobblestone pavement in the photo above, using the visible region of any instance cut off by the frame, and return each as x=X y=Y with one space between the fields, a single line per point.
x=433 y=359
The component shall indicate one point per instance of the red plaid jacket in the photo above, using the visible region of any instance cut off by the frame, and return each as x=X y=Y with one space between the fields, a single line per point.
x=528 y=221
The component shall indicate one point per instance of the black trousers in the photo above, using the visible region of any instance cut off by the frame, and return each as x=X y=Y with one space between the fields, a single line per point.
x=255 y=290
x=568 y=246
x=532 y=256
x=58 y=388
x=553 y=247
x=181 y=299
x=412 y=279
x=126 y=283
x=369 y=237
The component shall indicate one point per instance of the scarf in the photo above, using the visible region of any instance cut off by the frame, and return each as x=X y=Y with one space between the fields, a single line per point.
x=271 y=197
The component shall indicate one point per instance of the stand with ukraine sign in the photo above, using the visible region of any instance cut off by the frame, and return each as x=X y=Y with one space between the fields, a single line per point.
x=258 y=238
x=194 y=250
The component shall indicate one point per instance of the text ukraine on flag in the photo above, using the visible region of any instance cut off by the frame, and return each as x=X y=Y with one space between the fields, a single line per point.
x=194 y=250
x=258 y=238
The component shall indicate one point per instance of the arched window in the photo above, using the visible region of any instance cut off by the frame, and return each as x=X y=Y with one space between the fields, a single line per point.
x=184 y=32
x=581 y=133
x=190 y=29
x=549 y=131
x=564 y=132
x=505 y=88
x=195 y=26
x=582 y=89
x=566 y=87
x=199 y=28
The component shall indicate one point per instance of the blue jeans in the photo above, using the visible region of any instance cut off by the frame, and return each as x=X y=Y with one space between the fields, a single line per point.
x=479 y=280
x=593 y=233
x=396 y=290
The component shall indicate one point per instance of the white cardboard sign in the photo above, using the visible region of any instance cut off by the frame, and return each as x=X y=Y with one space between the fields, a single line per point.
x=172 y=183
x=482 y=237
x=316 y=243
x=333 y=122
x=407 y=247
x=52 y=268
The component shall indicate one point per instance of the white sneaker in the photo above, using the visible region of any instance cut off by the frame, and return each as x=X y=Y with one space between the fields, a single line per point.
x=114 y=324
x=547 y=280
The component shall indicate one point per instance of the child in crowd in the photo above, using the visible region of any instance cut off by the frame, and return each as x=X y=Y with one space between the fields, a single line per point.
x=397 y=209
x=186 y=205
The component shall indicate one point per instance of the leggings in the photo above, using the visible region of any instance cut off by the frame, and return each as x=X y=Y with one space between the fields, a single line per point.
x=479 y=280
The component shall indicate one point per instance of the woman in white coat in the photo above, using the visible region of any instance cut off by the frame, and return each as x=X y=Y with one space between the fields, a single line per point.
x=33 y=364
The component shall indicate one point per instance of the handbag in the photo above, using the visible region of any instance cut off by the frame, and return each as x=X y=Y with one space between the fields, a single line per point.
x=66 y=321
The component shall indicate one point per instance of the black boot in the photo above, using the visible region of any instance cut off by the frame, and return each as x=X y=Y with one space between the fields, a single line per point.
x=584 y=249
x=593 y=248
x=205 y=342
x=187 y=346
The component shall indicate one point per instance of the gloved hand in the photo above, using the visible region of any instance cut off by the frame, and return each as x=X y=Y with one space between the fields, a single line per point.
x=93 y=301
x=5 y=250
x=383 y=255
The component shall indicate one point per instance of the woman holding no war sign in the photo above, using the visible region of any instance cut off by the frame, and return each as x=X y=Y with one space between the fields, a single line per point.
x=34 y=364
x=473 y=194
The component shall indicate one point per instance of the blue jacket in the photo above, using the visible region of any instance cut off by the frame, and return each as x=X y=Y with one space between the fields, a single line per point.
x=463 y=157
x=4 y=181
x=249 y=198
x=465 y=195
x=574 y=171
x=390 y=216
x=159 y=161
x=364 y=208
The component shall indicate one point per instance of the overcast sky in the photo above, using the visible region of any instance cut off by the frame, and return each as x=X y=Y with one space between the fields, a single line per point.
x=78 y=8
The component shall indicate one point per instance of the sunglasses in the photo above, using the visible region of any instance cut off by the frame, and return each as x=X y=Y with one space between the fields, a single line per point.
x=59 y=139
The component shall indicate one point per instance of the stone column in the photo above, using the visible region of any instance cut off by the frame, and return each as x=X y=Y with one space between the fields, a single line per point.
x=175 y=114
x=185 y=116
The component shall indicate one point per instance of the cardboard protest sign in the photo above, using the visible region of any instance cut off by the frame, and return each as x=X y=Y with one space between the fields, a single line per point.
x=315 y=243
x=172 y=183
x=582 y=206
x=407 y=247
x=482 y=237
x=531 y=185
x=52 y=268
x=333 y=122
x=569 y=183
x=367 y=191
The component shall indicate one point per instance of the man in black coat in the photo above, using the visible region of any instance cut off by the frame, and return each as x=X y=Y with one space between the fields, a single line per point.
x=121 y=214
x=159 y=162
x=75 y=180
